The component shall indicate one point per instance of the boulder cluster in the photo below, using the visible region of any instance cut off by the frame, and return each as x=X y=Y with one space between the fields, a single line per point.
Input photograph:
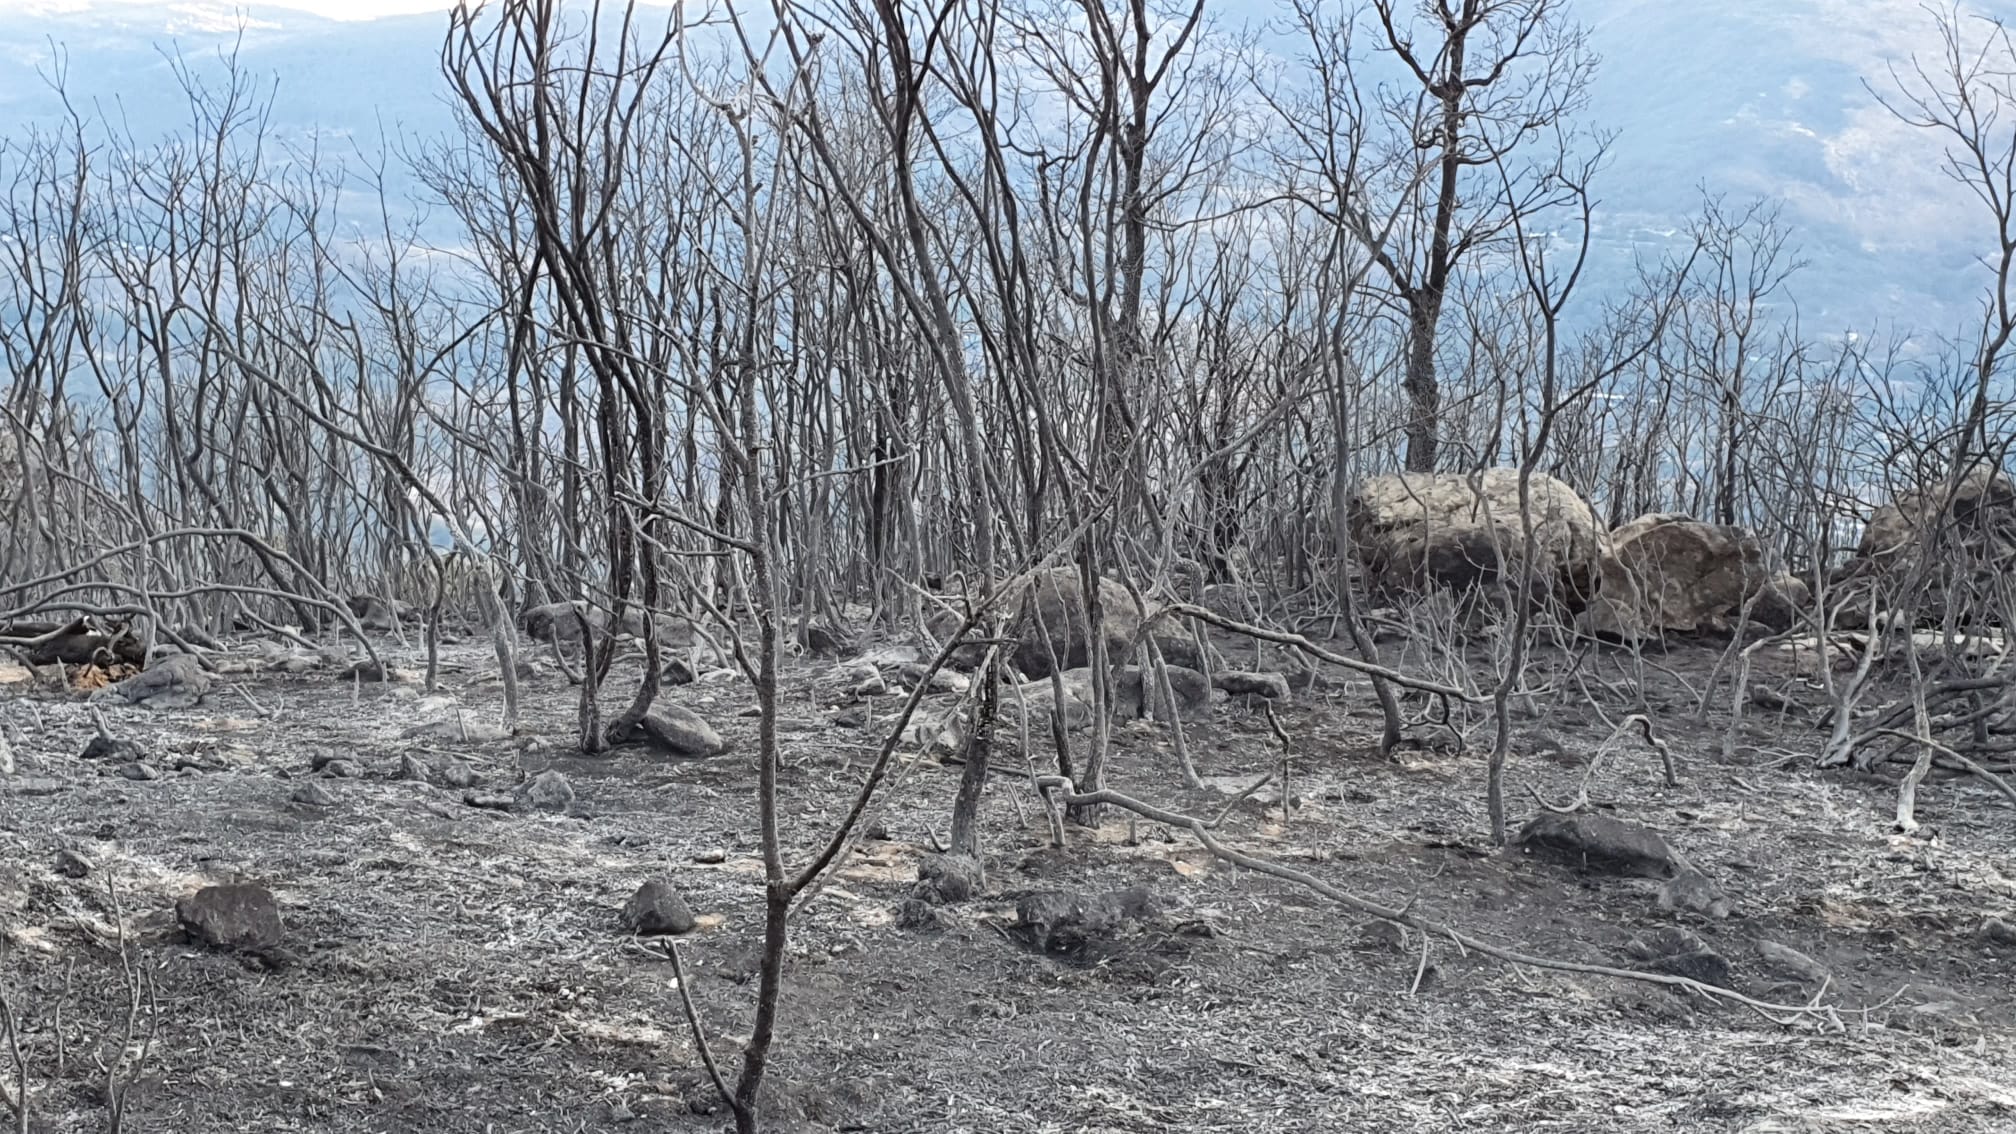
x=1661 y=573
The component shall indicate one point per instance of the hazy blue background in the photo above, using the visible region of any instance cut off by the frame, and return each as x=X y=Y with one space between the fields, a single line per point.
x=1745 y=97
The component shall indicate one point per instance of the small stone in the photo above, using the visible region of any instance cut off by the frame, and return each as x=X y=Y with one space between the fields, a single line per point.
x=456 y=774
x=342 y=769
x=1694 y=892
x=877 y=830
x=1995 y=931
x=712 y=856
x=547 y=791
x=70 y=864
x=1600 y=844
x=854 y=717
x=1059 y=921
x=949 y=879
x=137 y=770
x=107 y=748
x=239 y=918
x=916 y=913
x=313 y=795
x=677 y=672
x=1682 y=953
x=657 y=909
x=1791 y=961
x=321 y=758
x=1383 y=936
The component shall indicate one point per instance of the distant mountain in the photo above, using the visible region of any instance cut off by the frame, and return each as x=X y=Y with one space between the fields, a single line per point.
x=1742 y=97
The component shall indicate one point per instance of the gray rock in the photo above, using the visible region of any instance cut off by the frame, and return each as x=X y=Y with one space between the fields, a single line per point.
x=943 y=681
x=826 y=639
x=366 y=671
x=712 y=856
x=174 y=681
x=547 y=791
x=1694 y=892
x=114 y=750
x=1062 y=921
x=1600 y=844
x=1382 y=936
x=657 y=909
x=137 y=770
x=949 y=878
x=457 y=774
x=1682 y=953
x=373 y=612
x=197 y=636
x=679 y=730
x=459 y=729
x=238 y=918
x=1272 y=686
x=342 y=769
x=1191 y=689
x=916 y=913
x=70 y=864
x=1791 y=962
x=1995 y=931
x=313 y=795
x=1181 y=649
x=561 y=622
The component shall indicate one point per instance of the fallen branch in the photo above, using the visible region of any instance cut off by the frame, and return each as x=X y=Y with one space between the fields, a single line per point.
x=1977 y=768
x=1581 y=799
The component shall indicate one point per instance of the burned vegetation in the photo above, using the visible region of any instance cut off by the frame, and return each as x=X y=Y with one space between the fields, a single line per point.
x=989 y=567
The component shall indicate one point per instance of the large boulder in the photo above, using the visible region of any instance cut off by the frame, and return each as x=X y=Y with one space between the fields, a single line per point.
x=374 y=612
x=561 y=621
x=1667 y=573
x=1781 y=602
x=1967 y=524
x=1049 y=617
x=174 y=681
x=1459 y=530
x=1979 y=515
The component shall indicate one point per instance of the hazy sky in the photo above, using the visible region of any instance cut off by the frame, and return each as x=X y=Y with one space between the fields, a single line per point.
x=330 y=9
x=1749 y=98
x=208 y=11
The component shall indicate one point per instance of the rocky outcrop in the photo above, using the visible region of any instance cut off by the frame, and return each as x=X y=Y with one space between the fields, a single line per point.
x=1935 y=550
x=561 y=621
x=1049 y=620
x=1668 y=573
x=1421 y=530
